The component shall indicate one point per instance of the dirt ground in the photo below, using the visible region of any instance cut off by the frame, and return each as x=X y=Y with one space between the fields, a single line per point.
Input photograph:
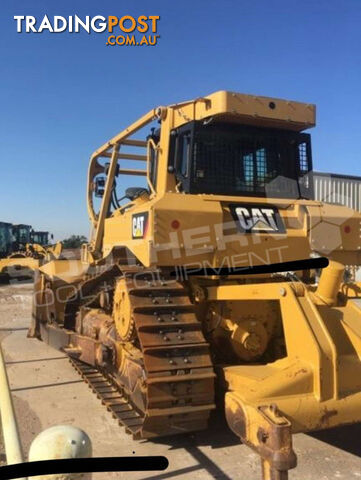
x=47 y=391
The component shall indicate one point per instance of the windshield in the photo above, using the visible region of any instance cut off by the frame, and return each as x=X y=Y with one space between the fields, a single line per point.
x=233 y=159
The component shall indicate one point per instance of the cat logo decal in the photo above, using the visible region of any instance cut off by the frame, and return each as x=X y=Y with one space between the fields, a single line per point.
x=139 y=225
x=257 y=218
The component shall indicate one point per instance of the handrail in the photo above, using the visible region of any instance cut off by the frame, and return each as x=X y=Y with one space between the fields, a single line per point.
x=150 y=144
x=114 y=143
x=106 y=199
x=154 y=114
x=126 y=156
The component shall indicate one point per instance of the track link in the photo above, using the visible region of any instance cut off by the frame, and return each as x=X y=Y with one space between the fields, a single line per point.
x=110 y=396
x=170 y=389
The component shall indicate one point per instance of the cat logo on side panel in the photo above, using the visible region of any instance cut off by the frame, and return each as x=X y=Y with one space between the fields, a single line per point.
x=257 y=218
x=139 y=225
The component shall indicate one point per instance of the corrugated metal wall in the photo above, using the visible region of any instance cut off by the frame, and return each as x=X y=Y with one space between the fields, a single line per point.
x=344 y=190
x=332 y=188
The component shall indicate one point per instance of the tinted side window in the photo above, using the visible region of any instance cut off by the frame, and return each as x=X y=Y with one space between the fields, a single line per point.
x=185 y=154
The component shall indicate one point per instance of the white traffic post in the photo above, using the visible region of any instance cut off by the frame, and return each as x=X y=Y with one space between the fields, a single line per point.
x=10 y=432
x=59 y=442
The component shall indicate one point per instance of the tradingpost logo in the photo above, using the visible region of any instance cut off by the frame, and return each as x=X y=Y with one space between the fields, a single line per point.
x=122 y=31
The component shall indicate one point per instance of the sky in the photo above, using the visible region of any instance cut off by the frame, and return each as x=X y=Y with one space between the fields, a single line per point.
x=64 y=95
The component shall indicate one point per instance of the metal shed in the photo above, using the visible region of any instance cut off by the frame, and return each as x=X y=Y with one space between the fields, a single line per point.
x=340 y=189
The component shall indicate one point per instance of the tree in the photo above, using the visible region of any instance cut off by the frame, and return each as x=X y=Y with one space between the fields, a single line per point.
x=75 y=241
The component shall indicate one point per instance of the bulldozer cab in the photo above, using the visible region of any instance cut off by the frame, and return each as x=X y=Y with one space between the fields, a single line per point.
x=21 y=236
x=219 y=158
x=221 y=165
x=225 y=144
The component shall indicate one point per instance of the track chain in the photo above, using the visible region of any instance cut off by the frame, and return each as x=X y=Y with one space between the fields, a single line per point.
x=171 y=389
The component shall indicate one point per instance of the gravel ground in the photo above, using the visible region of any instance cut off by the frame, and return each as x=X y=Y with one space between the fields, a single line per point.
x=47 y=391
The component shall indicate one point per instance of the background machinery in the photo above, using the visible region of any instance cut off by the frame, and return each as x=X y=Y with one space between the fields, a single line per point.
x=200 y=285
x=5 y=239
x=23 y=249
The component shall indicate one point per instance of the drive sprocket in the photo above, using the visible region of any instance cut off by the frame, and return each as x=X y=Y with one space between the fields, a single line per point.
x=122 y=312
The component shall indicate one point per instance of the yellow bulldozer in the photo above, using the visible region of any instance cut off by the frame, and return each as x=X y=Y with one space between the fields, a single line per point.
x=23 y=250
x=213 y=279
